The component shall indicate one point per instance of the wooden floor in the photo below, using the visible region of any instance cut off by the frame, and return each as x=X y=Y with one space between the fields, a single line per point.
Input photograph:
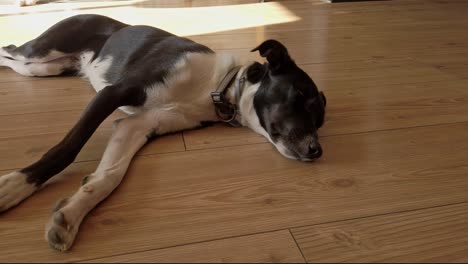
x=392 y=185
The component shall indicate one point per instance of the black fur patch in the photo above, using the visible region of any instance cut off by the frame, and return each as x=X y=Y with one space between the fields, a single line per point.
x=256 y=72
x=152 y=135
x=71 y=35
x=207 y=123
x=65 y=152
x=143 y=55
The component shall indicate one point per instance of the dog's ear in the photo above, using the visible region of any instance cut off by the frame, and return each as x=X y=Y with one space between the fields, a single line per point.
x=255 y=72
x=277 y=55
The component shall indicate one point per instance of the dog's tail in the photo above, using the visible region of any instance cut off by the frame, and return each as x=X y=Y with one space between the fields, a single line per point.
x=65 y=152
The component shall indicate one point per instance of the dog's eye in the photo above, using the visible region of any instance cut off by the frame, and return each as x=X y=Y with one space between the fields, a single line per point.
x=275 y=132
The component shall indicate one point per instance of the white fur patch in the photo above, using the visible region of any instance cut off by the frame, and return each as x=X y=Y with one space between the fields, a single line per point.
x=284 y=150
x=248 y=114
x=95 y=70
x=52 y=55
x=3 y=52
x=183 y=100
x=52 y=64
x=51 y=68
x=13 y=189
x=17 y=66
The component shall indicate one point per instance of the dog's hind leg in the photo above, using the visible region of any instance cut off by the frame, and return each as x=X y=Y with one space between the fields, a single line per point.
x=129 y=135
x=56 y=50
x=18 y=185
x=52 y=64
x=50 y=68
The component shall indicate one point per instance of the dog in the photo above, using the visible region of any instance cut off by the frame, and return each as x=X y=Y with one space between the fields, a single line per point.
x=165 y=83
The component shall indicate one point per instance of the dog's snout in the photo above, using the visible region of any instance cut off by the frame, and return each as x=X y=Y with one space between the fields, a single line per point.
x=315 y=151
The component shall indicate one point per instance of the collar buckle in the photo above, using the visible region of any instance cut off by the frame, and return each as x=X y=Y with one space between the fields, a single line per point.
x=226 y=111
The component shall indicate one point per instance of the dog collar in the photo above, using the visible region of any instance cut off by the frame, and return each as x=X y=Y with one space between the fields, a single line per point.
x=225 y=110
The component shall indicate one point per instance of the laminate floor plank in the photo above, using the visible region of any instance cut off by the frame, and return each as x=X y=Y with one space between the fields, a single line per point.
x=163 y=204
x=272 y=247
x=394 y=140
x=435 y=235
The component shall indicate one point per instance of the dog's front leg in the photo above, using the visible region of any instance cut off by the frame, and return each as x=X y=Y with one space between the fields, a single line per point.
x=129 y=135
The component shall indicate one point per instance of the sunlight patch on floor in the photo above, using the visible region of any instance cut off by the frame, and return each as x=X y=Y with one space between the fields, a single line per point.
x=16 y=29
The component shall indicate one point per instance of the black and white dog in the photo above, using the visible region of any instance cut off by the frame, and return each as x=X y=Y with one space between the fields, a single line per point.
x=165 y=83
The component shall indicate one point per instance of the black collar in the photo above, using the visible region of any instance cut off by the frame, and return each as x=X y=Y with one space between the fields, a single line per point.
x=225 y=110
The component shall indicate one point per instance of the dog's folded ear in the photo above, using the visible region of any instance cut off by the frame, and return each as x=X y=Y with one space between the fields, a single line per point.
x=255 y=72
x=277 y=55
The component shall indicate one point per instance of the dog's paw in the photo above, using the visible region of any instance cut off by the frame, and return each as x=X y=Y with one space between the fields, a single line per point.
x=62 y=227
x=13 y=189
x=60 y=233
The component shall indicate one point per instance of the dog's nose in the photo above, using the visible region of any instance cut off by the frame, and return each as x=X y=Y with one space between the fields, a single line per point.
x=315 y=151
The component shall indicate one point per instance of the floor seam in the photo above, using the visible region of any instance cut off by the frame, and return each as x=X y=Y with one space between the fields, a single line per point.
x=183 y=139
x=297 y=245
x=393 y=129
x=276 y=230
x=258 y=143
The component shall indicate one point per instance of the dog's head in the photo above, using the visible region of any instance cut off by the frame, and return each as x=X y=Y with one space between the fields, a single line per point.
x=287 y=103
